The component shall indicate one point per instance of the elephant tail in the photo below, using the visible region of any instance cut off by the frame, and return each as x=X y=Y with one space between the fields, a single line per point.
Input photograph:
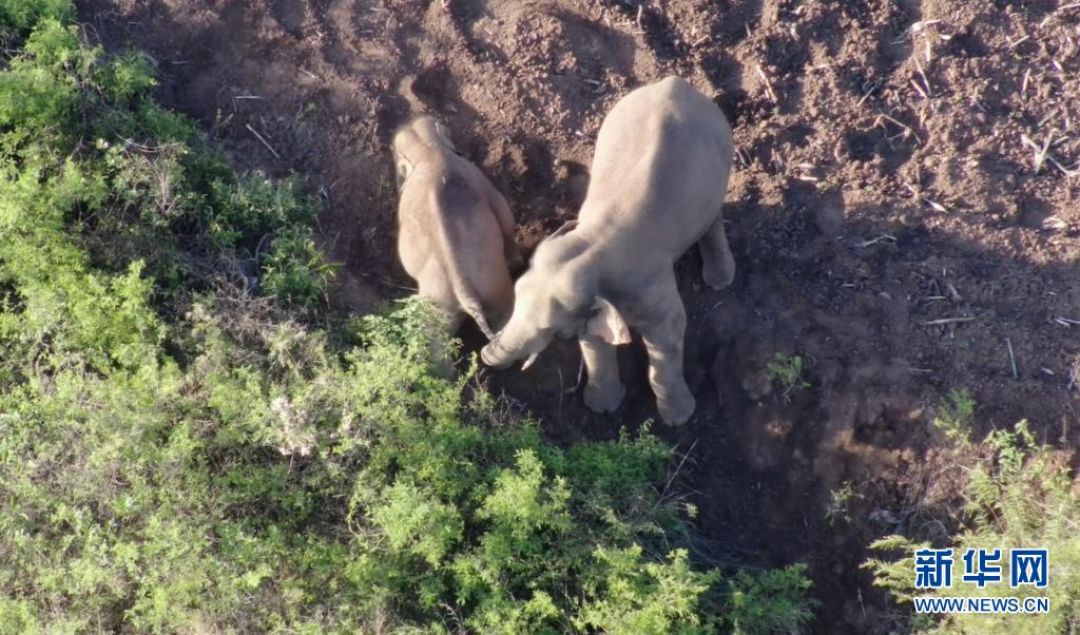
x=476 y=312
x=466 y=295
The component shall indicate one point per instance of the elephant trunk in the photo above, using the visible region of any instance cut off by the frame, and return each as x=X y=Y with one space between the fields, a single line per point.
x=504 y=350
x=494 y=354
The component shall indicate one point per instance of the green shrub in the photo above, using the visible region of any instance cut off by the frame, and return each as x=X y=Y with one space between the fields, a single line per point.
x=1021 y=495
x=253 y=207
x=787 y=372
x=771 y=602
x=294 y=270
x=956 y=416
x=21 y=15
x=82 y=146
x=293 y=488
x=839 y=507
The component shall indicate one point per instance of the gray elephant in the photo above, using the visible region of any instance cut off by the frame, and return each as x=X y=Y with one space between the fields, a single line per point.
x=659 y=175
x=456 y=231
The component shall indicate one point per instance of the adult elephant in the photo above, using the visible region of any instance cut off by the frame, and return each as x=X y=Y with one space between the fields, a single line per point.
x=659 y=175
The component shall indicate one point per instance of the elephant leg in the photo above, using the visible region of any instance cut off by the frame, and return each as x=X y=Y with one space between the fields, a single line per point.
x=718 y=263
x=664 y=338
x=434 y=285
x=604 y=391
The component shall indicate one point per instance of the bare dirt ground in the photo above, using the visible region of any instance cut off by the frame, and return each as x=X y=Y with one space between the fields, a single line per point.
x=905 y=213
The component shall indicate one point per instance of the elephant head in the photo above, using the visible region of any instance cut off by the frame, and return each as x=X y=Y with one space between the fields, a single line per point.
x=413 y=142
x=558 y=296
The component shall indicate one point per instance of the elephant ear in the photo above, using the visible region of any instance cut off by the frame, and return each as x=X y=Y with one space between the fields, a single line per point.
x=607 y=324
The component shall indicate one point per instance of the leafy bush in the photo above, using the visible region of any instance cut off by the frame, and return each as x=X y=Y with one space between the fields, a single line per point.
x=21 y=15
x=255 y=206
x=294 y=270
x=956 y=416
x=177 y=459
x=771 y=602
x=787 y=372
x=148 y=496
x=82 y=146
x=1020 y=495
x=839 y=507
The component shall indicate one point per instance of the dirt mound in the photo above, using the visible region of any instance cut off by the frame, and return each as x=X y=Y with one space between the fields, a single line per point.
x=905 y=213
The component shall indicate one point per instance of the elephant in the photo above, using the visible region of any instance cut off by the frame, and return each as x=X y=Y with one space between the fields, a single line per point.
x=659 y=176
x=456 y=234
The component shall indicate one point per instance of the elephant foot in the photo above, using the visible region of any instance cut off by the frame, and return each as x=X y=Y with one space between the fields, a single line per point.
x=718 y=276
x=604 y=399
x=676 y=408
x=719 y=263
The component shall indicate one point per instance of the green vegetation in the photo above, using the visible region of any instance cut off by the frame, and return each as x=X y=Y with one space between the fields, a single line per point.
x=1019 y=494
x=839 y=508
x=84 y=151
x=956 y=416
x=787 y=372
x=182 y=449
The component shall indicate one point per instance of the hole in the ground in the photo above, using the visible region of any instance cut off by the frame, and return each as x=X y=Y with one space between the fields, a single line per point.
x=433 y=86
x=730 y=103
x=861 y=144
x=966 y=44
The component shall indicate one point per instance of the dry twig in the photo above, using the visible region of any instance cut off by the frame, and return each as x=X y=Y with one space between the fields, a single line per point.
x=926 y=81
x=1012 y=358
x=264 y=141
x=1040 y=152
x=948 y=320
x=906 y=127
x=874 y=241
x=768 y=84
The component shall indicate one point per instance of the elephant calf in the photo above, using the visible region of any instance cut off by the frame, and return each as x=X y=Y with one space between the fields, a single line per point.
x=456 y=231
x=659 y=175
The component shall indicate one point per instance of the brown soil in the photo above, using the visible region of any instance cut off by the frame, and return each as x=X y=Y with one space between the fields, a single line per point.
x=883 y=182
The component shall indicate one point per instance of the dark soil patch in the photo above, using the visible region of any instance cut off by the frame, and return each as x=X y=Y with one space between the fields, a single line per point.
x=885 y=188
